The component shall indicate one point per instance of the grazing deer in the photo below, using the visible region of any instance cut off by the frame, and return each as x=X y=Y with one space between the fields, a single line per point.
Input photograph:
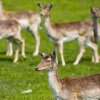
x=64 y=32
x=11 y=30
x=83 y=88
x=27 y=19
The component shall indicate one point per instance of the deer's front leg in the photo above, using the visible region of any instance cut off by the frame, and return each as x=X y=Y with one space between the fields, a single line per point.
x=82 y=50
x=61 y=53
x=34 y=30
x=56 y=49
x=9 y=49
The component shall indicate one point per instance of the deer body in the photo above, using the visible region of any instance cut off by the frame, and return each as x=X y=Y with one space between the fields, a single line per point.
x=65 y=32
x=27 y=19
x=11 y=30
x=80 y=88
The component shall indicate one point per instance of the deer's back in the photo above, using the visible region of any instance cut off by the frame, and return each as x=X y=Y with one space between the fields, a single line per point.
x=82 y=83
x=10 y=27
x=80 y=27
x=19 y=15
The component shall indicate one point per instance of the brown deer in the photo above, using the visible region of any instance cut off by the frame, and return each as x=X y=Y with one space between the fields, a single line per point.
x=27 y=19
x=65 y=32
x=11 y=30
x=82 y=88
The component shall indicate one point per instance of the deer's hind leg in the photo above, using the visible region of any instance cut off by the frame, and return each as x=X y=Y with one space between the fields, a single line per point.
x=23 y=46
x=81 y=42
x=9 y=49
x=15 y=43
x=94 y=47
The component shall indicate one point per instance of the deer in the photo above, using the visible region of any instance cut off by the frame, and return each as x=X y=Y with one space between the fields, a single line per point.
x=11 y=30
x=60 y=33
x=27 y=19
x=69 y=88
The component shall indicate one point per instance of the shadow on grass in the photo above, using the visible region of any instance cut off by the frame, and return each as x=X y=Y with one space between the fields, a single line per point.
x=6 y=59
x=3 y=53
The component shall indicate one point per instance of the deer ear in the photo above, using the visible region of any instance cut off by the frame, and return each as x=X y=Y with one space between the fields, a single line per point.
x=91 y=9
x=53 y=55
x=50 y=6
x=39 y=5
x=42 y=54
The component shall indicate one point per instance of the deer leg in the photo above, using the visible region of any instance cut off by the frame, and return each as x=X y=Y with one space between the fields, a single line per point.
x=9 y=49
x=93 y=57
x=11 y=39
x=34 y=29
x=56 y=49
x=94 y=47
x=81 y=52
x=23 y=47
x=37 y=38
x=61 y=53
x=16 y=53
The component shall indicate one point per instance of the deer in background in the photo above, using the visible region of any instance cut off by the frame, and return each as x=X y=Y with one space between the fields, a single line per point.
x=65 y=32
x=82 y=88
x=27 y=19
x=11 y=30
x=95 y=11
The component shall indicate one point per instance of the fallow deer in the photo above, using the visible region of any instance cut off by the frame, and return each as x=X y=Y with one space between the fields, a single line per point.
x=11 y=30
x=27 y=19
x=69 y=88
x=64 y=32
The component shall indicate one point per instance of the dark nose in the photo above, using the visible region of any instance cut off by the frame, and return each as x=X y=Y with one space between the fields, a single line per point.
x=36 y=69
x=41 y=14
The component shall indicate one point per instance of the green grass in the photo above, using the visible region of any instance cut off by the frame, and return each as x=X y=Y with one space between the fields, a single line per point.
x=15 y=78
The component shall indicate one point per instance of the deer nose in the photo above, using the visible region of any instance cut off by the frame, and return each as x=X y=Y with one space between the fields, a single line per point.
x=36 y=69
x=41 y=14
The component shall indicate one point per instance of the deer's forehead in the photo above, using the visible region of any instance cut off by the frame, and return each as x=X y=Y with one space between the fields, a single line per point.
x=48 y=57
x=45 y=8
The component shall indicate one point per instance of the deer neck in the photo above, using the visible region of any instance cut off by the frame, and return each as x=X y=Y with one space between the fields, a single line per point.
x=54 y=81
x=47 y=21
x=49 y=28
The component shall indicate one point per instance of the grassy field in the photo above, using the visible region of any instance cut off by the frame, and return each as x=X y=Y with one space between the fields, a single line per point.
x=15 y=78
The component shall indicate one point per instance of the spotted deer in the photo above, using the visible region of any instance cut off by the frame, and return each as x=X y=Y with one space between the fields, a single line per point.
x=11 y=30
x=65 y=32
x=69 y=88
x=27 y=19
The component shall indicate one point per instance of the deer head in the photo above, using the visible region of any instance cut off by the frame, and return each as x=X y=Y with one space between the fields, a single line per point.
x=48 y=62
x=44 y=9
x=95 y=11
